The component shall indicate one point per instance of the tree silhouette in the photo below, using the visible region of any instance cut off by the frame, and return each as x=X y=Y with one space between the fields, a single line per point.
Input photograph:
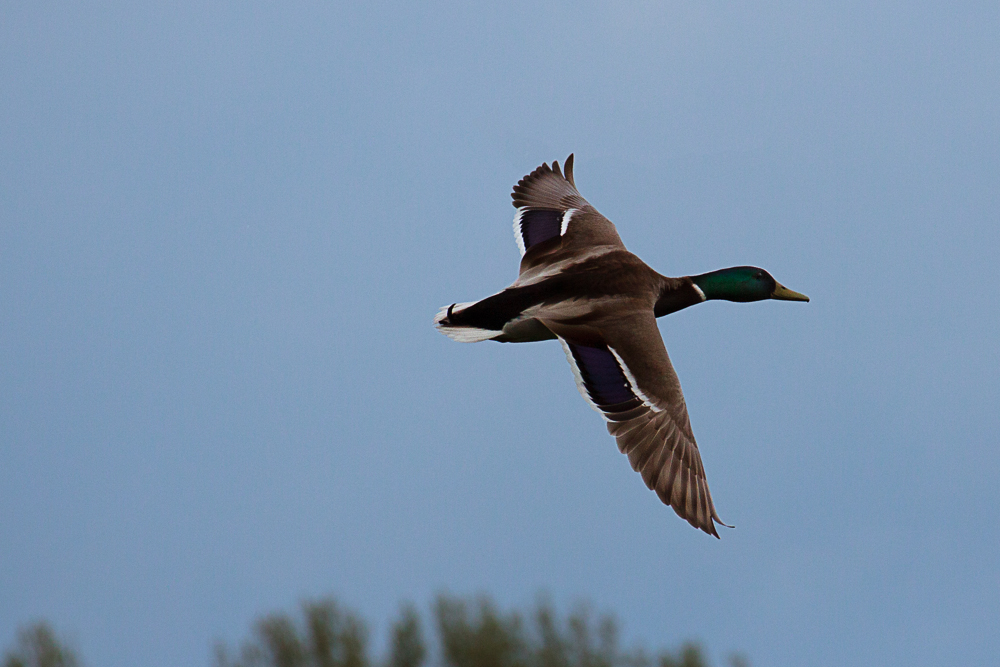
x=482 y=637
x=470 y=632
x=408 y=648
x=37 y=646
x=327 y=637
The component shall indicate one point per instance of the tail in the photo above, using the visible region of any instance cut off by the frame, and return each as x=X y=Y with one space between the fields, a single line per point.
x=487 y=318
x=449 y=322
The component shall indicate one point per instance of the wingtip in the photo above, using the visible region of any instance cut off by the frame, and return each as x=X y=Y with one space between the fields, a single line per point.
x=546 y=187
x=710 y=529
x=716 y=519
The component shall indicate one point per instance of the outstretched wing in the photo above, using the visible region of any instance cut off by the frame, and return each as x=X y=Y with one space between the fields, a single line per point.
x=629 y=379
x=552 y=214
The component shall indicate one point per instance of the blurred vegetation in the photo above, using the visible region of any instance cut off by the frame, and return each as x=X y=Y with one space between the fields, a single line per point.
x=326 y=637
x=470 y=632
x=37 y=646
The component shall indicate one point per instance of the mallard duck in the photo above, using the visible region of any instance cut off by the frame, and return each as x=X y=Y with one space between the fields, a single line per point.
x=578 y=284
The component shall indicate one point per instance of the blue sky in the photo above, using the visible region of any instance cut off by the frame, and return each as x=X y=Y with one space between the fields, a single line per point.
x=225 y=229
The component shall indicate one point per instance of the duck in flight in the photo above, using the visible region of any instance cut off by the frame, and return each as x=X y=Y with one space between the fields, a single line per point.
x=578 y=284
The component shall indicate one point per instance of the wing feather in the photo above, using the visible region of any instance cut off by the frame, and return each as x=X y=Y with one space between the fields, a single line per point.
x=652 y=426
x=553 y=218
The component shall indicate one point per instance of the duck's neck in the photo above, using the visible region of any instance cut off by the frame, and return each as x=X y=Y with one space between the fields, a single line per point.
x=677 y=294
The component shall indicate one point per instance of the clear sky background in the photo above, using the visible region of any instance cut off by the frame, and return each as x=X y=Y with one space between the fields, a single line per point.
x=225 y=229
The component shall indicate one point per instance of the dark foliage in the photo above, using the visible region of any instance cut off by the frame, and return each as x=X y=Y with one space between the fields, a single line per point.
x=326 y=637
x=37 y=646
x=470 y=633
x=407 y=640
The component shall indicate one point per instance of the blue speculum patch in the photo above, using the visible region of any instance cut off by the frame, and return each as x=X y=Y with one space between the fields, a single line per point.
x=539 y=225
x=602 y=376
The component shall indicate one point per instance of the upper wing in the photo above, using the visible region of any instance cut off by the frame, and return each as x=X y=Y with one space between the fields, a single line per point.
x=630 y=380
x=550 y=207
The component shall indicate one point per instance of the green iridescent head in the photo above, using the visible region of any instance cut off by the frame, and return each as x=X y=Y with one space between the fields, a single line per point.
x=744 y=283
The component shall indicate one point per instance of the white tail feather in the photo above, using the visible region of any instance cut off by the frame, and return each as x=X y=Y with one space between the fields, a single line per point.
x=461 y=334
